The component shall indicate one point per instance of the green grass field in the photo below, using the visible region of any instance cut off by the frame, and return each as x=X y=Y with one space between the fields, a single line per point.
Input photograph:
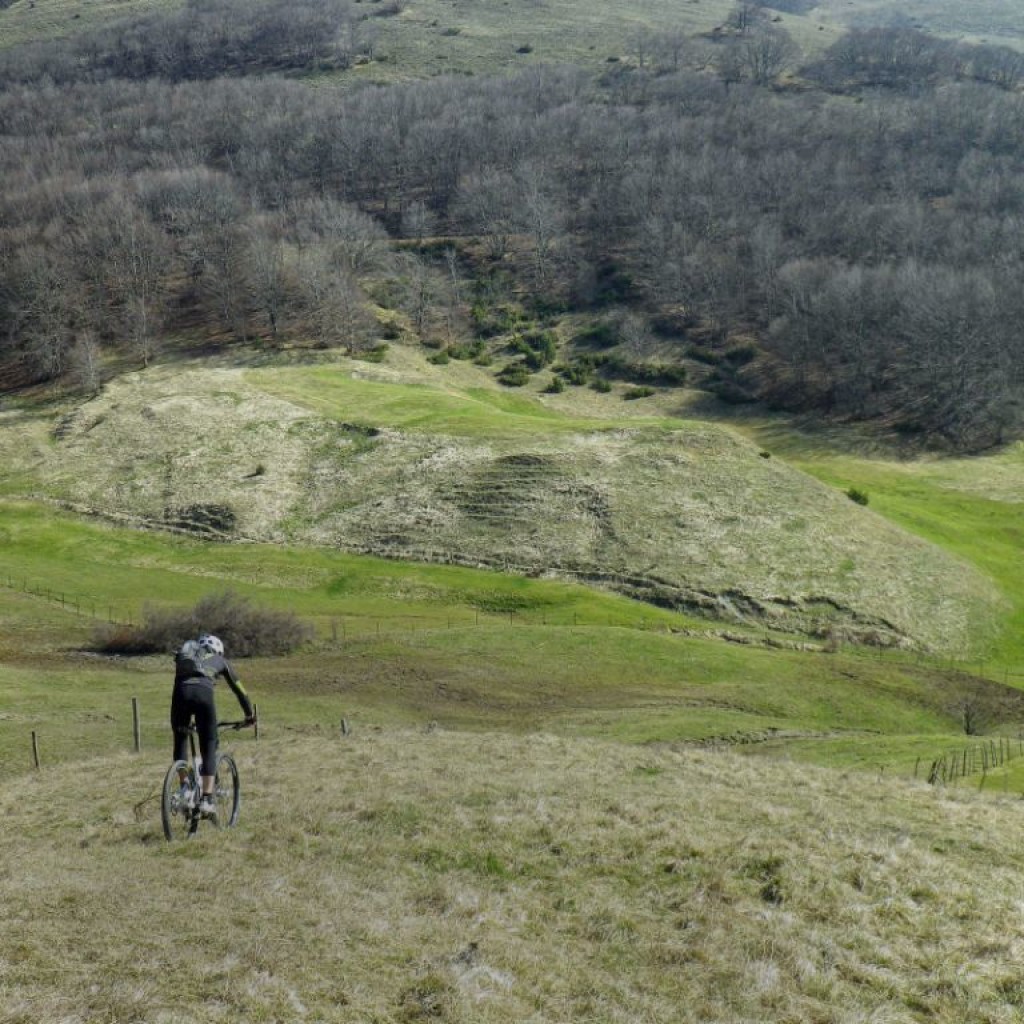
x=971 y=507
x=402 y=642
x=446 y=405
x=399 y=643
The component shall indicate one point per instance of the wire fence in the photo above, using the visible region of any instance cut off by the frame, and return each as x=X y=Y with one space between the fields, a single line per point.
x=44 y=747
x=976 y=759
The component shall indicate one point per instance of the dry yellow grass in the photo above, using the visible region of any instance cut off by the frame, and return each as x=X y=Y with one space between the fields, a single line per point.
x=461 y=470
x=397 y=876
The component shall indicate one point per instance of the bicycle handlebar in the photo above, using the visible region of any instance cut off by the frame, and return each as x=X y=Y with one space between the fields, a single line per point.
x=246 y=723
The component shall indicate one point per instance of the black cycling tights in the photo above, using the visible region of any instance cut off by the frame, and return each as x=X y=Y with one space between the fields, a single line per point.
x=193 y=698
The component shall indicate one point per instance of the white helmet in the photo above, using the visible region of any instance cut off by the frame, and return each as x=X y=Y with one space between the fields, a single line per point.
x=211 y=643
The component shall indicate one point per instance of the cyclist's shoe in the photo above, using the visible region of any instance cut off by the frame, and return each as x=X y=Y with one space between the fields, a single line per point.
x=207 y=808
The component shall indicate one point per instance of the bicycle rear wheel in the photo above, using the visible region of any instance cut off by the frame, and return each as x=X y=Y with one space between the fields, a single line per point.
x=177 y=806
x=226 y=791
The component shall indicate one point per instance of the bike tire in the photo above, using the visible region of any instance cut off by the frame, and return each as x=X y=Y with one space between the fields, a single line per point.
x=178 y=818
x=227 y=792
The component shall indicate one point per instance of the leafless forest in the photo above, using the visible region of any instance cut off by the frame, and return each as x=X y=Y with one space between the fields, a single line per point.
x=840 y=237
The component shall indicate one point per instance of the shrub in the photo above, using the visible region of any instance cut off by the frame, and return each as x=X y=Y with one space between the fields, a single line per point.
x=665 y=374
x=246 y=631
x=466 y=350
x=556 y=387
x=857 y=495
x=634 y=393
x=599 y=335
x=515 y=375
x=602 y=385
x=740 y=353
x=492 y=320
x=578 y=372
x=439 y=358
x=374 y=354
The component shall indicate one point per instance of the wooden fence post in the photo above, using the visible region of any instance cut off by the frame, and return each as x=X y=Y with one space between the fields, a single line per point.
x=35 y=748
x=136 y=727
x=256 y=722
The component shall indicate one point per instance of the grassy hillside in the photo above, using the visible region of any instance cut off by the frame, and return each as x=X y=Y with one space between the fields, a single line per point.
x=559 y=803
x=402 y=643
x=433 y=37
x=968 y=506
x=28 y=20
x=404 y=876
x=993 y=21
x=439 y=464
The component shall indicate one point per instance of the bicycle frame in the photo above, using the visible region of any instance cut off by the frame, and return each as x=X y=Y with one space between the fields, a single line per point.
x=182 y=789
x=195 y=756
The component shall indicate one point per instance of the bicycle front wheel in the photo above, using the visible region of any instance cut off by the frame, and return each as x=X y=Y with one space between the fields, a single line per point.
x=226 y=791
x=177 y=806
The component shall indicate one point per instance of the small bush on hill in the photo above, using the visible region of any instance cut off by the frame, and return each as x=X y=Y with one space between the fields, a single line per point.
x=599 y=335
x=247 y=631
x=578 y=372
x=663 y=374
x=857 y=495
x=493 y=320
x=515 y=375
x=373 y=354
x=466 y=350
x=538 y=347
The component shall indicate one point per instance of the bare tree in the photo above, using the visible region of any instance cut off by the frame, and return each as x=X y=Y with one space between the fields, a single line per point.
x=85 y=364
x=541 y=216
x=766 y=53
x=486 y=202
x=745 y=16
x=334 y=307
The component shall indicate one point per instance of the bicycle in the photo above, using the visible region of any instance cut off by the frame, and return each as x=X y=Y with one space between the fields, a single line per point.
x=179 y=807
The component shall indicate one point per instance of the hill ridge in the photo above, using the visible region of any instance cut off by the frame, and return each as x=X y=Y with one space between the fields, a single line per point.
x=675 y=512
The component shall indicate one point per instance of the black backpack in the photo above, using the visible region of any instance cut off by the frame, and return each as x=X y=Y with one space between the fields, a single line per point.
x=191 y=660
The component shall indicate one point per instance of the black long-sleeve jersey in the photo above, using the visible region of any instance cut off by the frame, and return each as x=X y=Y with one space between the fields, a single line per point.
x=194 y=662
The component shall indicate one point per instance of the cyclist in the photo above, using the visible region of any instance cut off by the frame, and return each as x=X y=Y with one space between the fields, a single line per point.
x=197 y=664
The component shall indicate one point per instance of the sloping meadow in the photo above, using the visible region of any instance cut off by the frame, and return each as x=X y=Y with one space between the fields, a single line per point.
x=388 y=460
x=397 y=875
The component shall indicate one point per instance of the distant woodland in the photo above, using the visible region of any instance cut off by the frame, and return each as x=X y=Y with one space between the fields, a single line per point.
x=842 y=238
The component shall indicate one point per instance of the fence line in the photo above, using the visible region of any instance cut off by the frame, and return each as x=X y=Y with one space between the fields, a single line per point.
x=975 y=759
x=37 y=761
x=137 y=733
x=89 y=608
